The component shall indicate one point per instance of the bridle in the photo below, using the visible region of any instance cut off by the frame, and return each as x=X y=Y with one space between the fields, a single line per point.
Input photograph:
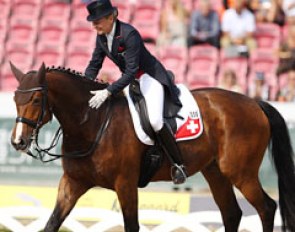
x=29 y=122
x=42 y=152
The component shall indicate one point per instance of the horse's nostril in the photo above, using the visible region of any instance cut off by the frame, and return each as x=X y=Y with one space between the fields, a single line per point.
x=20 y=145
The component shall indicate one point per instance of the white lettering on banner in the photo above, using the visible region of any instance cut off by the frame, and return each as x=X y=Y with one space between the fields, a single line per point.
x=192 y=126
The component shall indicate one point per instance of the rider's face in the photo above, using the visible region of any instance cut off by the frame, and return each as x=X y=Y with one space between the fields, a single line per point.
x=104 y=25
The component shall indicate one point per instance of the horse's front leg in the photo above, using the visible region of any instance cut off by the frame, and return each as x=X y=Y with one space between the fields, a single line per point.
x=69 y=192
x=128 y=197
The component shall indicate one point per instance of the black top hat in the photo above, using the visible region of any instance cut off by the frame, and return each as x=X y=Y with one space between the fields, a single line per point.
x=99 y=9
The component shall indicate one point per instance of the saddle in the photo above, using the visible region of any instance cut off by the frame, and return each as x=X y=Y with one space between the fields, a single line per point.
x=152 y=159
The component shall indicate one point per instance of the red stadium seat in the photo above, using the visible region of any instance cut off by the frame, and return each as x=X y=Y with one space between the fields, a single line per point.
x=78 y=56
x=55 y=9
x=149 y=29
x=109 y=72
x=26 y=9
x=152 y=48
x=3 y=30
x=79 y=10
x=264 y=60
x=50 y=54
x=174 y=58
x=147 y=19
x=5 y=6
x=54 y=31
x=82 y=32
x=23 y=29
x=202 y=66
x=2 y=51
x=238 y=64
x=268 y=35
x=21 y=54
x=7 y=79
x=124 y=8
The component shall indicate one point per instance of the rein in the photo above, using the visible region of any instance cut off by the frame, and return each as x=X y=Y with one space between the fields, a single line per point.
x=42 y=152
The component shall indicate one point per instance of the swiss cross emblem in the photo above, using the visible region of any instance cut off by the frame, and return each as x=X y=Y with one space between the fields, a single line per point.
x=189 y=129
x=192 y=126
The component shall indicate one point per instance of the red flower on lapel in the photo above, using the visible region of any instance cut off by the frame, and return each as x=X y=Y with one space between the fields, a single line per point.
x=121 y=49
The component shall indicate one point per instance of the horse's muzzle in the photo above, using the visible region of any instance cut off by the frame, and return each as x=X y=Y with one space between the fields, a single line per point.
x=21 y=145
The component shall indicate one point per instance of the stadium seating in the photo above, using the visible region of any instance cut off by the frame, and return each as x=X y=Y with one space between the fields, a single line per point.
x=202 y=66
x=7 y=80
x=151 y=47
x=5 y=6
x=239 y=65
x=124 y=8
x=82 y=32
x=53 y=31
x=78 y=56
x=1 y=54
x=21 y=54
x=26 y=9
x=3 y=30
x=266 y=61
x=23 y=29
x=147 y=19
x=55 y=9
x=109 y=72
x=268 y=35
x=79 y=11
x=50 y=54
x=174 y=58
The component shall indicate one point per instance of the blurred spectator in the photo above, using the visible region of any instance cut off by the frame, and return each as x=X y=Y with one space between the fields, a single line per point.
x=268 y=11
x=287 y=49
x=288 y=7
x=238 y=26
x=229 y=81
x=287 y=94
x=173 y=24
x=259 y=89
x=204 y=25
x=228 y=4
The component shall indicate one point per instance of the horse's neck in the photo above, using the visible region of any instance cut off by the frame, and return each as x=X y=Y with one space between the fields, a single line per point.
x=67 y=99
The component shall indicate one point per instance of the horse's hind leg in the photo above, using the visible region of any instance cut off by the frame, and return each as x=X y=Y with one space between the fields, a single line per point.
x=224 y=197
x=265 y=206
x=69 y=192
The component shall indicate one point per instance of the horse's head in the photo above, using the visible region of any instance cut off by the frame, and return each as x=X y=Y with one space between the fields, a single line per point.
x=31 y=105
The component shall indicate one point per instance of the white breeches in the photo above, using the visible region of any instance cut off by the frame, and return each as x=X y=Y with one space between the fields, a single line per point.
x=153 y=92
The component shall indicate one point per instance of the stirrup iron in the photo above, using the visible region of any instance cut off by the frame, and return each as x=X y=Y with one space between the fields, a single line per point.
x=178 y=174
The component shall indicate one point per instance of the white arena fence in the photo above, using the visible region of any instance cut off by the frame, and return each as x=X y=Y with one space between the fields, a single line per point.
x=10 y=218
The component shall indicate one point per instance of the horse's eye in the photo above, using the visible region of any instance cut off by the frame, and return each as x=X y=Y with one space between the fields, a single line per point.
x=36 y=101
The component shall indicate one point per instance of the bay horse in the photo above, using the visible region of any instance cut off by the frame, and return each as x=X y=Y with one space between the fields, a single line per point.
x=237 y=131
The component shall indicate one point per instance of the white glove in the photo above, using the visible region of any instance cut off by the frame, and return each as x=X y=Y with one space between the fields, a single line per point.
x=99 y=97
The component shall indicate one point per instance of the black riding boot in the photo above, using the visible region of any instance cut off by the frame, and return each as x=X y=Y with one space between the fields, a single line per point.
x=168 y=142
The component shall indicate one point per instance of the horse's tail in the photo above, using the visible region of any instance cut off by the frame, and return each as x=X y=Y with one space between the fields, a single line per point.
x=282 y=156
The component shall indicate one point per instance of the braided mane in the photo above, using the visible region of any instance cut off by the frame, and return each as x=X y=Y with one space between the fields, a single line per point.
x=75 y=74
x=67 y=71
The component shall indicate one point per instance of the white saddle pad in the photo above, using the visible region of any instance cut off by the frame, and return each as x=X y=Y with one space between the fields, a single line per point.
x=189 y=127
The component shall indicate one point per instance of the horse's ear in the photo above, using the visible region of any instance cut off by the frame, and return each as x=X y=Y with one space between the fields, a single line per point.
x=41 y=73
x=17 y=73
